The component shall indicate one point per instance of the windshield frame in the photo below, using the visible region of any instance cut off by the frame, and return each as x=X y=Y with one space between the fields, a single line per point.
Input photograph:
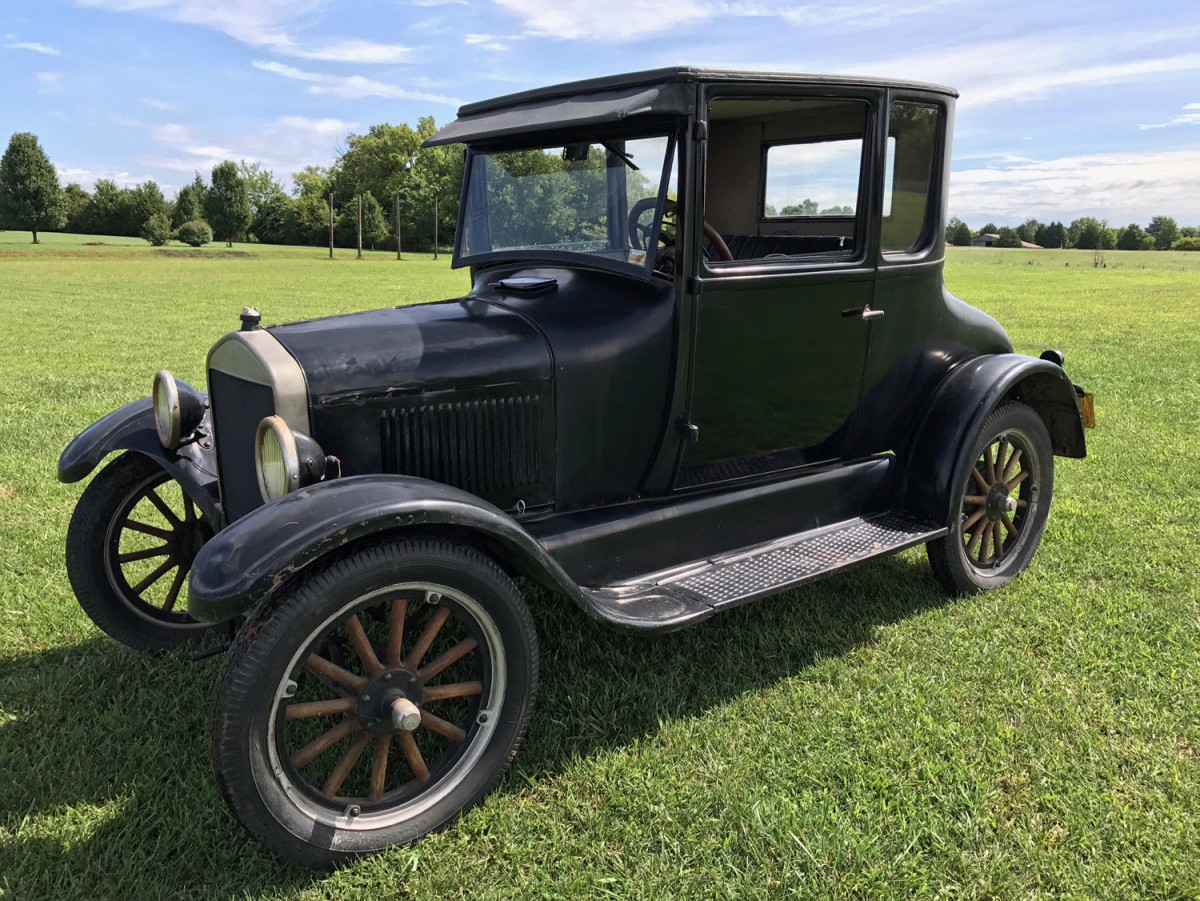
x=645 y=270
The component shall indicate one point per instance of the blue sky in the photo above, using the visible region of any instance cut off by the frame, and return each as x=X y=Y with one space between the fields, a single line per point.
x=1067 y=109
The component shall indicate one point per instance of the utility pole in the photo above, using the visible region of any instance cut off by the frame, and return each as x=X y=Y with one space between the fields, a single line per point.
x=360 y=226
x=397 y=226
x=331 y=226
x=435 y=219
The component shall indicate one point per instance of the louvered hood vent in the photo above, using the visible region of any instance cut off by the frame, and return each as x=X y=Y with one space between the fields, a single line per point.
x=496 y=443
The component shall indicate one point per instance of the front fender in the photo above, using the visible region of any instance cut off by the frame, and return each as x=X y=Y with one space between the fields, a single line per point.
x=131 y=428
x=957 y=411
x=268 y=546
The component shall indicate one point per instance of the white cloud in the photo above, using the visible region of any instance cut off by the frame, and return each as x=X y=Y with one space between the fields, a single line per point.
x=47 y=82
x=262 y=24
x=213 y=152
x=1035 y=85
x=1185 y=119
x=351 y=86
x=158 y=104
x=283 y=146
x=259 y=23
x=485 y=41
x=1121 y=187
x=35 y=47
x=87 y=178
x=172 y=133
x=585 y=19
x=354 y=52
x=1047 y=65
x=842 y=16
x=590 y=21
x=325 y=128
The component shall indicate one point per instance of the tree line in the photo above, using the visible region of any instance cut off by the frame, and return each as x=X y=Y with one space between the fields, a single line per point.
x=1085 y=233
x=243 y=201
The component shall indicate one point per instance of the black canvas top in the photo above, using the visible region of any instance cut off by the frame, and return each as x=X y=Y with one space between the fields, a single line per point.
x=614 y=98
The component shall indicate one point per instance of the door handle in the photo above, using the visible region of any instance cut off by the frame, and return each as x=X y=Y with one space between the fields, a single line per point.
x=863 y=313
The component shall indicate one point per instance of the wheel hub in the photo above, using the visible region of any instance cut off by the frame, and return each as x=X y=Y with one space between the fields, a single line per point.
x=1000 y=503
x=381 y=707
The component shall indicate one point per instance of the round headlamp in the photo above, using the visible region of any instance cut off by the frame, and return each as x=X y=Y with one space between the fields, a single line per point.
x=178 y=409
x=284 y=460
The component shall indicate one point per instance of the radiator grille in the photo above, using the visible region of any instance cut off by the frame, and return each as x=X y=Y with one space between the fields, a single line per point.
x=238 y=406
x=482 y=445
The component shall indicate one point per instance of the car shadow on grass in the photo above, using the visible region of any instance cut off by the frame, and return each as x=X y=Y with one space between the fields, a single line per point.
x=107 y=750
x=601 y=688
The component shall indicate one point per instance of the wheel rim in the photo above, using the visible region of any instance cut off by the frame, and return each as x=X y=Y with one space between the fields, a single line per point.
x=150 y=545
x=339 y=754
x=1000 y=499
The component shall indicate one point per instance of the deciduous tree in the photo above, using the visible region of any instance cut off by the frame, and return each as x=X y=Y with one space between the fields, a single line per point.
x=1008 y=238
x=30 y=197
x=227 y=204
x=1165 y=232
x=1132 y=237
x=1089 y=233
x=75 y=201
x=1028 y=231
x=189 y=202
x=958 y=232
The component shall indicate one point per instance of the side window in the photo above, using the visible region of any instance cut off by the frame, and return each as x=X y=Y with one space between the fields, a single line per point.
x=913 y=134
x=784 y=176
x=811 y=180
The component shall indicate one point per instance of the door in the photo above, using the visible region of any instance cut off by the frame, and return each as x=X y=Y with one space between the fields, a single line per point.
x=780 y=330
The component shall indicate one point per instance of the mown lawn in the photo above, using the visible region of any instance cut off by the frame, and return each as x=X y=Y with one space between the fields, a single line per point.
x=859 y=738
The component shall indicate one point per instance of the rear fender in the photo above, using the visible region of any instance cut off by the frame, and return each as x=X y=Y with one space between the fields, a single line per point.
x=269 y=546
x=131 y=428
x=956 y=413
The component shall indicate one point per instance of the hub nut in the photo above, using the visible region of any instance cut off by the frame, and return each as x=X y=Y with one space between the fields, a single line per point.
x=405 y=714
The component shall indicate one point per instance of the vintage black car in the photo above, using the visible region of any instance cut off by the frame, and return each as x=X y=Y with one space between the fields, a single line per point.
x=707 y=356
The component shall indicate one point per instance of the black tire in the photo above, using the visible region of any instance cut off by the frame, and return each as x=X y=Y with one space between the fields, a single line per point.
x=128 y=560
x=362 y=789
x=998 y=511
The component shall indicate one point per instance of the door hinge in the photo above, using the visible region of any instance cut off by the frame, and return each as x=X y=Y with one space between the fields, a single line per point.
x=701 y=130
x=689 y=431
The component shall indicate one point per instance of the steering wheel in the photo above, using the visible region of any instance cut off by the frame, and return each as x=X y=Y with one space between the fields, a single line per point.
x=639 y=232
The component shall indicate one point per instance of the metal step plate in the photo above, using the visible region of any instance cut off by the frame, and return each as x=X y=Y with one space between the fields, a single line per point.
x=688 y=594
x=792 y=561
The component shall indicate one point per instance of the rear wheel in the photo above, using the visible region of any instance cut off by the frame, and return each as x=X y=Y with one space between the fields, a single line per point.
x=376 y=701
x=999 y=510
x=130 y=547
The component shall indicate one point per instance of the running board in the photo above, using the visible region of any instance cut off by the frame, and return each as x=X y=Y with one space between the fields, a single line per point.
x=685 y=595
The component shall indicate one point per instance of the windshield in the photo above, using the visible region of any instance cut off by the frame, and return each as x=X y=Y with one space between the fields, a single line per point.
x=601 y=200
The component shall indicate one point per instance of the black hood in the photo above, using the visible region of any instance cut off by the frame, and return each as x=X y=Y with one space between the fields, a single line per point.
x=452 y=344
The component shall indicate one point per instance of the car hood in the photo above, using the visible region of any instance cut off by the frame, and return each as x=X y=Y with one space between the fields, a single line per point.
x=451 y=344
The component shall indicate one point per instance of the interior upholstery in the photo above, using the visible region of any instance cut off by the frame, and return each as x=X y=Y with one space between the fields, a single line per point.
x=740 y=129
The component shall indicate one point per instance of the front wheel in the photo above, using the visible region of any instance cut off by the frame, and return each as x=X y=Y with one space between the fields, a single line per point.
x=376 y=701
x=130 y=546
x=999 y=510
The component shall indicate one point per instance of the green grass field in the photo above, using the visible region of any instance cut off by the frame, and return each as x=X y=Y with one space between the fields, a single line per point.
x=860 y=738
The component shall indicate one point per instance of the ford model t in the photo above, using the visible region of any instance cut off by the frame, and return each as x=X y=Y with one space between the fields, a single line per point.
x=707 y=356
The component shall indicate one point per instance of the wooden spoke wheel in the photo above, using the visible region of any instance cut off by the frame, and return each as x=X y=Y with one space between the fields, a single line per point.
x=1000 y=508
x=130 y=547
x=376 y=702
